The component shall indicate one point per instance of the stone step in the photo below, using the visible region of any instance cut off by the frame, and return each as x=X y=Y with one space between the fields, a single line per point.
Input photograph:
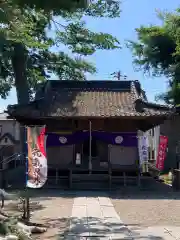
x=90 y=177
x=89 y=186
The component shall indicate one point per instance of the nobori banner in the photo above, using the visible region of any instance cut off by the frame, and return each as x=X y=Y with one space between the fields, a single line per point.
x=36 y=157
x=163 y=143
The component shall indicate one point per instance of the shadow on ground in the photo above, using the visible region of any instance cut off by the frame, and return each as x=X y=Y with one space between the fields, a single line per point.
x=156 y=190
x=45 y=194
x=79 y=229
x=74 y=228
x=18 y=207
x=151 y=189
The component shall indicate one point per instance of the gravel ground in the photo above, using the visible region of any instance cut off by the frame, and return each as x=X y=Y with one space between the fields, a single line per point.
x=52 y=208
x=55 y=213
x=148 y=208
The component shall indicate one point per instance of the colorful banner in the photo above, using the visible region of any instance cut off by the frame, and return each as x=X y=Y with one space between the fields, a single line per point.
x=37 y=161
x=123 y=139
x=163 y=141
x=143 y=152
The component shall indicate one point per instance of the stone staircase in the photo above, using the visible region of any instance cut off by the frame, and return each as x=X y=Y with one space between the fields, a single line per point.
x=107 y=181
x=15 y=177
x=95 y=181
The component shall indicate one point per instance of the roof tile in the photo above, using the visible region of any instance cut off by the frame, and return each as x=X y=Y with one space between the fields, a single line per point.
x=93 y=99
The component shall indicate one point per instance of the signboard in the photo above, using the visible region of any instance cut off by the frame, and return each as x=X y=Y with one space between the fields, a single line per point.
x=37 y=161
x=163 y=141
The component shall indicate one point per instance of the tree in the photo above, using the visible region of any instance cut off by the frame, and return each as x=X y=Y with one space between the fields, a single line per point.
x=54 y=5
x=157 y=52
x=16 y=37
x=26 y=56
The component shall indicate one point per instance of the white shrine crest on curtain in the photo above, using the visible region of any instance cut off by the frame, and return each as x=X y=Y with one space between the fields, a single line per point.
x=118 y=139
x=63 y=140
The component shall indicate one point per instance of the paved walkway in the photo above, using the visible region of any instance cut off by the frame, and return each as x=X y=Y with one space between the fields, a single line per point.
x=96 y=218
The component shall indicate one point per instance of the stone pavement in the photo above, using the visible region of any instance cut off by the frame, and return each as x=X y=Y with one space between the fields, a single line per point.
x=94 y=217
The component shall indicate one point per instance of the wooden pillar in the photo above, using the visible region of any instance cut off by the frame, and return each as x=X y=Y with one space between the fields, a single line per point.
x=90 y=146
x=124 y=178
x=57 y=176
x=109 y=170
x=176 y=179
x=110 y=178
x=139 y=178
x=70 y=178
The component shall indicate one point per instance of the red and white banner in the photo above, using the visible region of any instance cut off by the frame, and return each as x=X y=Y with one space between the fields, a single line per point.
x=37 y=161
x=163 y=142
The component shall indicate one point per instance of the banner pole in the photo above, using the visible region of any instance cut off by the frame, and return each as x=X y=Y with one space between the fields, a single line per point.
x=26 y=155
x=26 y=214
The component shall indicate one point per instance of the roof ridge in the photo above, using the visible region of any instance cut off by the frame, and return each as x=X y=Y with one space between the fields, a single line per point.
x=66 y=84
x=134 y=93
x=155 y=105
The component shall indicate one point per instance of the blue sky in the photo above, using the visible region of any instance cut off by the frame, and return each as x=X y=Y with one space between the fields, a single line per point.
x=134 y=13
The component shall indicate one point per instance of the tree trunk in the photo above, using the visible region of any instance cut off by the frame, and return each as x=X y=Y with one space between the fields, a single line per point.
x=19 y=62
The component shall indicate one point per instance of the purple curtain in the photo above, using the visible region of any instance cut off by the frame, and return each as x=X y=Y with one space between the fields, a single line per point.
x=66 y=139
x=123 y=139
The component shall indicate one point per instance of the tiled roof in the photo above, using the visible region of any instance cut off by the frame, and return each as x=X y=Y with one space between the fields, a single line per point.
x=91 y=99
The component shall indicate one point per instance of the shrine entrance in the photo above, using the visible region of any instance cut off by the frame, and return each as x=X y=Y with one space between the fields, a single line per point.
x=90 y=149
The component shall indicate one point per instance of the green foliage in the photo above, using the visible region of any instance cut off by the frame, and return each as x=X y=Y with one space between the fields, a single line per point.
x=39 y=32
x=53 y=5
x=157 y=52
x=154 y=49
x=21 y=26
x=85 y=42
x=104 y=8
x=101 y=8
x=3 y=228
x=9 y=226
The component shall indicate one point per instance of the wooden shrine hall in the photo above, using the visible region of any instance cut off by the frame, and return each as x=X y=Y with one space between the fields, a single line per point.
x=91 y=130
